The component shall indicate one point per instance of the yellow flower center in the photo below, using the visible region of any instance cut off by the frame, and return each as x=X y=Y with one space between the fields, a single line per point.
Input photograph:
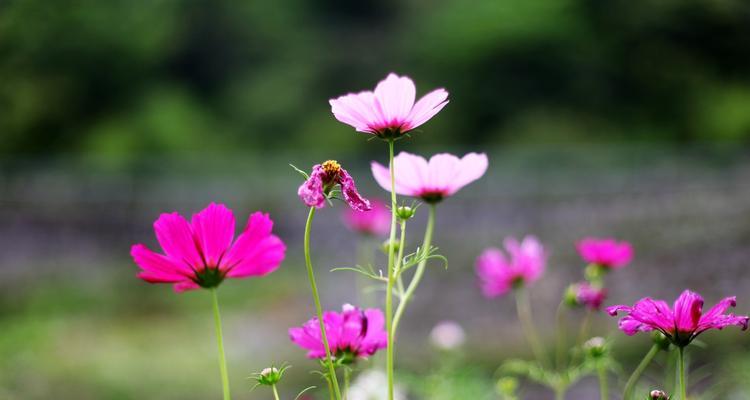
x=331 y=167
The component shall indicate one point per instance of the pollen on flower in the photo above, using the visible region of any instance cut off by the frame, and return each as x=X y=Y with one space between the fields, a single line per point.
x=331 y=167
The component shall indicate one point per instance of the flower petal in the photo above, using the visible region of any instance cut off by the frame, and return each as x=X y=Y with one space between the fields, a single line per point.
x=426 y=108
x=156 y=265
x=687 y=311
x=214 y=230
x=396 y=98
x=256 y=252
x=351 y=195
x=176 y=238
x=311 y=191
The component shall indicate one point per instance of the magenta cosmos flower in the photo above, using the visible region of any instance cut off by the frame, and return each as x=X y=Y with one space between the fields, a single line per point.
x=607 y=253
x=389 y=111
x=376 y=222
x=202 y=252
x=681 y=323
x=323 y=180
x=442 y=176
x=590 y=296
x=351 y=334
x=523 y=265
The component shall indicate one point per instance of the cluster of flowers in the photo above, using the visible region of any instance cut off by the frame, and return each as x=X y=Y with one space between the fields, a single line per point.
x=203 y=252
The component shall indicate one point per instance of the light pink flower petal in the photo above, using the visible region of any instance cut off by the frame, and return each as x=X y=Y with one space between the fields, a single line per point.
x=256 y=252
x=411 y=178
x=442 y=170
x=377 y=221
x=176 y=238
x=426 y=108
x=214 y=230
x=472 y=167
x=357 y=110
x=494 y=272
x=396 y=98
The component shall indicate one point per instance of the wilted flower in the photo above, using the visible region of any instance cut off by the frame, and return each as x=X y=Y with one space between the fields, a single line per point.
x=585 y=294
x=606 y=253
x=372 y=385
x=499 y=274
x=202 y=253
x=447 y=335
x=683 y=322
x=376 y=222
x=351 y=334
x=390 y=111
x=323 y=179
x=442 y=176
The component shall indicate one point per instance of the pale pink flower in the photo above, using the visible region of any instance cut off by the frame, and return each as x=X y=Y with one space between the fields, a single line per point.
x=442 y=176
x=352 y=334
x=523 y=265
x=323 y=179
x=681 y=323
x=376 y=222
x=203 y=252
x=607 y=253
x=589 y=296
x=389 y=111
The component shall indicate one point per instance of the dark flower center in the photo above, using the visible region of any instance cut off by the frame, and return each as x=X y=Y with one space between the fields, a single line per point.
x=209 y=277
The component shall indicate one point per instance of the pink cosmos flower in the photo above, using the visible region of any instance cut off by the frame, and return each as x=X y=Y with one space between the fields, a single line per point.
x=376 y=222
x=607 y=253
x=590 y=296
x=524 y=265
x=390 y=111
x=202 y=252
x=681 y=323
x=433 y=180
x=323 y=179
x=351 y=334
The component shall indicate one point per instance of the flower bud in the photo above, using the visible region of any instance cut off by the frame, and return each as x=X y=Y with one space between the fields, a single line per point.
x=507 y=387
x=595 y=347
x=570 y=298
x=269 y=376
x=658 y=395
x=386 y=247
x=595 y=273
x=405 y=212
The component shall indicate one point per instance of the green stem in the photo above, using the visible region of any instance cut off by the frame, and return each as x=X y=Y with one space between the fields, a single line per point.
x=347 y=377
x=683 y=383
x=561 y=335
x=318 y=306
x=560 y=394
x=630 y=385
x=220 y=343
x=426 y=243
x=391 y=277
x=523 y=307
x=582 y=334
x=275 y=392
x=603 y=384
x=330 y=389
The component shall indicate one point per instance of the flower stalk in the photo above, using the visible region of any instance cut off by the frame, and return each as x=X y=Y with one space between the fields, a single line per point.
x=391 y=276
x=523 y=307
x=333 y=382
x=682 y=381
x=220 y=344
x=630 y=384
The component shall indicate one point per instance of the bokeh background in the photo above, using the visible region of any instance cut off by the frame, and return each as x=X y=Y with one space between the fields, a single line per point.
x=617 y=118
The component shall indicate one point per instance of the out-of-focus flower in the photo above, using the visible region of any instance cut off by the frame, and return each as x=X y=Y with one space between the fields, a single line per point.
x=596 y=347
x=606 y=253
x=372 y=385
x=683 y=322
x=389 y=111
x=658 y=395
x=351 y=334
x=499 y=274
x=202 y=253
x=447 y=335
x=376 y=222
x=323 y=179
x=269 y=376
x=585 y=294
x=442 y=176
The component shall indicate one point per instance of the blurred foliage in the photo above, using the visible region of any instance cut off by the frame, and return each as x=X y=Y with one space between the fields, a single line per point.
x=127 y=79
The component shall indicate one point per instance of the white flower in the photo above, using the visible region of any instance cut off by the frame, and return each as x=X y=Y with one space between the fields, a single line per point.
x=448 y=335
x=373 y=385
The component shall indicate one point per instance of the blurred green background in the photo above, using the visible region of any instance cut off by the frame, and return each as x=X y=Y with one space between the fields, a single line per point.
x=613 y=117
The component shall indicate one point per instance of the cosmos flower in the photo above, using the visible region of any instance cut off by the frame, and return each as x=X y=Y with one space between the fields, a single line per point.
x=389 y=111
x=587 y=295
x=372 y=385
x=448 y=335
x=323 y=180
x=606 y=253
x=683 y=322
x=442 y=176
x=352 y=334
x=203 y=252
x=376 y=222
x=523 y=265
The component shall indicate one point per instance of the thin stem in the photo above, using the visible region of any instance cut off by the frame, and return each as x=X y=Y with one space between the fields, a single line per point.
x=330 y=389
x=582 y=335
x=275 y=392
x=561 y=336
x=683 y=383
x=391 y=277
x=220 y=343
x=603 y=384
x=347 y=377
x=523 y=307
x=426 y=243
x=560 y=393
x=318 y=306
x=630 y=385
x=364 y=258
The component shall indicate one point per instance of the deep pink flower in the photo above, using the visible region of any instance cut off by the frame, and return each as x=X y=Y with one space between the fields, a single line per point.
x=432 y=180
x=323 y=179
x=390 y=111
x=499 y=274
x=376 y=222
x=681 y=323
x=607 y=253
x=351 y=334
x=201 y=253
x=590 y=296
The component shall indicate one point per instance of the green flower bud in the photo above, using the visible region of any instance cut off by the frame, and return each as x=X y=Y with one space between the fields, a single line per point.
x=405 y=212
x=596 y=347
x=507 y=387
x=269 y=376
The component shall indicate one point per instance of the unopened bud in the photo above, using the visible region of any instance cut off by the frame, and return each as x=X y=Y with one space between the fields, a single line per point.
x=571 y=296
x=269 y=376
x=658 y=395
x=387 y=248
x=595 y=347
x=405 y=212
